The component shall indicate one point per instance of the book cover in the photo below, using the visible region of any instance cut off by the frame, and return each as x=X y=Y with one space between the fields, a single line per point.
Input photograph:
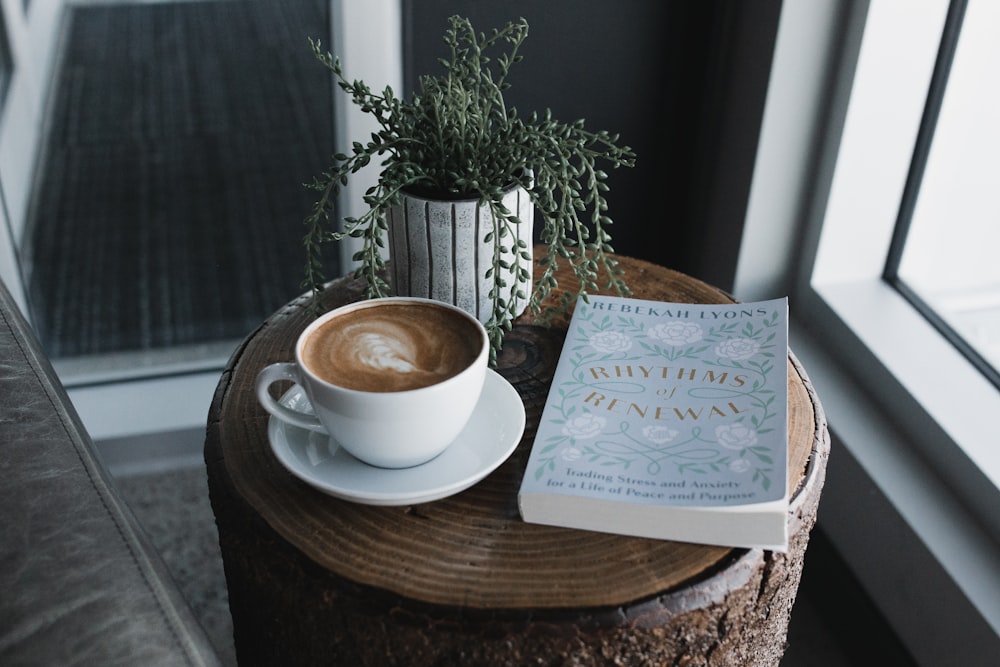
x=669 y=421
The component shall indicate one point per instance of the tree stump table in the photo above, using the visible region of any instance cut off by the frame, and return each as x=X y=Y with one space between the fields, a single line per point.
x=315 y=580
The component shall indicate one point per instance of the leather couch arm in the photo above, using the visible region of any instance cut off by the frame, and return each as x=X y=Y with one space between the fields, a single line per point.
x=80 y=584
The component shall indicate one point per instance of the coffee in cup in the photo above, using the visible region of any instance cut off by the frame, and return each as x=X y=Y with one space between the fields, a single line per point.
x=398 y=346
x=392 y=380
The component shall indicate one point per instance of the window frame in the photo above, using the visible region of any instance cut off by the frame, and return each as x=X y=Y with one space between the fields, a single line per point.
x=938 y=86
x=910 y=497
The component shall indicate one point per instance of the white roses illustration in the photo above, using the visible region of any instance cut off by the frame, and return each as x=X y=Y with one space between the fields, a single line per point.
x=735 y=436
x=737 y=349
x=740 y=466
x=609 y=342
x=570 y=454
x=584 y=426
x=675 y=333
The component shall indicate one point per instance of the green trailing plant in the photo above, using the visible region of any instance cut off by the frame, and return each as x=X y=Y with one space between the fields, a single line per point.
x=457 y=137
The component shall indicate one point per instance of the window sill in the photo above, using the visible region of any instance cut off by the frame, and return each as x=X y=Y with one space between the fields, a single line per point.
x=926 y=560
x=909 y=369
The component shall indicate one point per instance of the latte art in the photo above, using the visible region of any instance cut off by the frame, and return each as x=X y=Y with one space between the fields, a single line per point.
x=380 y=352
x=392 y=347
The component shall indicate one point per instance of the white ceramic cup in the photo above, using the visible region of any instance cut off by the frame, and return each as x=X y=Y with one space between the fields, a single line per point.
x=388 y=429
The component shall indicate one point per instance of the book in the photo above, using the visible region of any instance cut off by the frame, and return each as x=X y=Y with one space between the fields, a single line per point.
x=668 y=421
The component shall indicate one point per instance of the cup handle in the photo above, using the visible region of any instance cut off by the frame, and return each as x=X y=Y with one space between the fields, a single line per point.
x=284 y=371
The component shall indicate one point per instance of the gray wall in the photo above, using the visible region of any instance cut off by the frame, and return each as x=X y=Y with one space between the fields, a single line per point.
x=683 y=81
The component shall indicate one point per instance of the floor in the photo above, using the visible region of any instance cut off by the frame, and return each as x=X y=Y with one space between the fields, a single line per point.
x=833 y=623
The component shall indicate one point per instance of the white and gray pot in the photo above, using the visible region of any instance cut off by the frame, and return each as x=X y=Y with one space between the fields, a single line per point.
x=437 y=250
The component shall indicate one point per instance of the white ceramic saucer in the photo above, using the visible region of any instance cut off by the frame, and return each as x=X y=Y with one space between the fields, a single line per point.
x=489 y=438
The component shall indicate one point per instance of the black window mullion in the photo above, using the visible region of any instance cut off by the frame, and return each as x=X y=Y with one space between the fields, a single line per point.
x=925 y=137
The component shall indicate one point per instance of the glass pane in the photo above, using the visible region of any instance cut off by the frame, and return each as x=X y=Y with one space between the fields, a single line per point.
x=166 y=222
x=951 y=258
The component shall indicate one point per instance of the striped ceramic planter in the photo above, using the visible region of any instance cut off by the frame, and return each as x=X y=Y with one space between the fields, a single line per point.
x=437 y=250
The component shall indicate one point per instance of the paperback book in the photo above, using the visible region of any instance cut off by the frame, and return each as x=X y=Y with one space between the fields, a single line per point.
x=668 y=421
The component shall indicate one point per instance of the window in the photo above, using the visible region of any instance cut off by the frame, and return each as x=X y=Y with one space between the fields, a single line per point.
x=913 y=478
x=949 y=200
x=134 y=400
x=868 y=185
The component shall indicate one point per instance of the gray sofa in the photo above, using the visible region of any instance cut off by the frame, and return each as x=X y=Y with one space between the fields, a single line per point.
x=80 y=583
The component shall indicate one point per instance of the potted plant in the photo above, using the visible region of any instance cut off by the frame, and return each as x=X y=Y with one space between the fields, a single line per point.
x=457 y=139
